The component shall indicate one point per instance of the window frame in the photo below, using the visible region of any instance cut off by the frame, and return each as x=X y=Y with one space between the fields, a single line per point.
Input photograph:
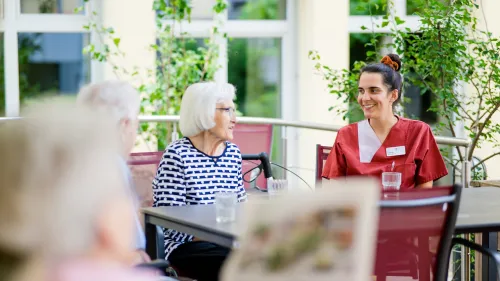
x=13 y=22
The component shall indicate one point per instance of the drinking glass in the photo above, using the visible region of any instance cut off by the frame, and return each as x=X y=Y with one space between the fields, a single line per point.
x=391 y=181
x=225 y=206
x=276 y=187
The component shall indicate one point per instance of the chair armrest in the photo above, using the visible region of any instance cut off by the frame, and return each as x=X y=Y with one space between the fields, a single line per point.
x=155 y=264
x=162 y=265
x=471 y=245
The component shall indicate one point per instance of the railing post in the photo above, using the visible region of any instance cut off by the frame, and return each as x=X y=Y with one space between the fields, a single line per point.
x=466 y=173
x=175 y=134
x=284 y=144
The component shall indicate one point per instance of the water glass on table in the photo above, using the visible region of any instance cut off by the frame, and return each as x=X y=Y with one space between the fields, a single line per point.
x=391 y=182
x=276 y=187
x=225 y=206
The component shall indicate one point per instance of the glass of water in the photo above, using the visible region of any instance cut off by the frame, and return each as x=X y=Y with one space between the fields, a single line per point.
x=391 y=181
x=276 y=187
x=225 y=206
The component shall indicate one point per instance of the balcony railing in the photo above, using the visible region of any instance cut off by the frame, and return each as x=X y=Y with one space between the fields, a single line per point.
x=458 y=142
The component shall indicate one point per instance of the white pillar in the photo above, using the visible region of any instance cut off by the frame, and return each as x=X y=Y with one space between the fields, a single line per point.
x=322 y=26
x=134 y=23
x=11 y=59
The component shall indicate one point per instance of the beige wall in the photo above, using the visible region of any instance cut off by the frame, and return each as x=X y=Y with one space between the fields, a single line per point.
x=322 y=27
x=134 y=23
x=491 y=8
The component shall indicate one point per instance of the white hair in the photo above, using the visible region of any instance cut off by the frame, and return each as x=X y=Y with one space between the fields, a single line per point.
x=58 y=169
x=199 y=103
x=118 y=98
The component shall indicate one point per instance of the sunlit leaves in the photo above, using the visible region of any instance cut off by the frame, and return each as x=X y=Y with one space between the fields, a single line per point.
x=447 y=52
x=181 y=61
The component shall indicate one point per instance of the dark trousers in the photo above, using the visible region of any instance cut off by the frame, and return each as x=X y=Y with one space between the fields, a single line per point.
x=198 y=260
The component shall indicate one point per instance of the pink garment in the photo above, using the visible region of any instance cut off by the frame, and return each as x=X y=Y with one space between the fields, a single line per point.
x=94 y=271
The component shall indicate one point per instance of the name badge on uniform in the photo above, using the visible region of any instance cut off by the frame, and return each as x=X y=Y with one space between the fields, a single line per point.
x=395 y=151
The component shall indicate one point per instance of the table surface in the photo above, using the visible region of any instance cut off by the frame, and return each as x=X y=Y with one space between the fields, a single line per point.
x=479 y=212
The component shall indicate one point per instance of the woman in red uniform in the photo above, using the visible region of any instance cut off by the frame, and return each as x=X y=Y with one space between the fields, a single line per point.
x=384 y=141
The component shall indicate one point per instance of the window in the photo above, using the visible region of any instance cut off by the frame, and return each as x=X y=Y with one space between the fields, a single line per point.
x=418 y=103
x=257 y=9
x=42 y=50
x=51 y=64
x=411 y=7
x=254 y=68
x=50 y=6
x=363 y=8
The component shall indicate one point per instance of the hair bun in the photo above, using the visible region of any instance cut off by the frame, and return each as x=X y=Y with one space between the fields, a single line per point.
x=392 y=60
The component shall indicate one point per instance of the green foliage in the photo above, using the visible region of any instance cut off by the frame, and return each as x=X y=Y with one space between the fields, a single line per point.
x=27 y=47
x=181 y=61
x=262 y=10
x=367 y=7
x=448 y=52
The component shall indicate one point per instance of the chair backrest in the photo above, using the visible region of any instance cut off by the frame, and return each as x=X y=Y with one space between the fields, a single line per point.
x=253 y=139
x=143 y=166
x=322 y=153
x=415 y=231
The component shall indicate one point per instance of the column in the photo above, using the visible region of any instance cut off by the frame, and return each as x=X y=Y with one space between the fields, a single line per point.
x=322 y=26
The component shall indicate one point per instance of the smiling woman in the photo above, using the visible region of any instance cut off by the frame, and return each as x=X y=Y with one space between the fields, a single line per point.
x=385 y=142
x=196 y=167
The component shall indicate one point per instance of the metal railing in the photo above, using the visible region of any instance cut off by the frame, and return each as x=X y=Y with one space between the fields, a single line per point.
x=465 y=176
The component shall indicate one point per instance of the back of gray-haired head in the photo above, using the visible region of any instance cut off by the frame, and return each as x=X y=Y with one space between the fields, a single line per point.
x=115 y=97
x=58 y=168
x=199 y=103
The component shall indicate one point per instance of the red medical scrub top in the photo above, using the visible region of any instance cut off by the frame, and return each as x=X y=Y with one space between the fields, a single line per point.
x=410 y=145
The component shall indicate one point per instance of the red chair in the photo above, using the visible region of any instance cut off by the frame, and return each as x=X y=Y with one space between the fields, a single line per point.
x=143 y=166
x=322 y=153
x=415 y=233
x=253 y=139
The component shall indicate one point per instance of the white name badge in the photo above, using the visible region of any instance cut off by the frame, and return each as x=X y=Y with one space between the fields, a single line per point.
x=395 y=151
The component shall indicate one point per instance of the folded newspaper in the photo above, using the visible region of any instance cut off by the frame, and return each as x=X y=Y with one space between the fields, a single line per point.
x=329 y=234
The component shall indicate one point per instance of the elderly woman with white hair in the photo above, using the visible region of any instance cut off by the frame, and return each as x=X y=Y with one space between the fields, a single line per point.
x=65 y=213
x=197 y=166
x=121 y=101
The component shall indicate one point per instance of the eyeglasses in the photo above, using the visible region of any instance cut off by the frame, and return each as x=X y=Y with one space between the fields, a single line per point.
x=228 y=110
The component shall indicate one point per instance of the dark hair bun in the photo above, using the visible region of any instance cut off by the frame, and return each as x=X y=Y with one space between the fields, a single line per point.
x=393 y=61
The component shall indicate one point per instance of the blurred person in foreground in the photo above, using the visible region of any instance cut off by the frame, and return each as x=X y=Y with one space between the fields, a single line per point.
x=122 y=102
x=65 y=214
x=194 y=168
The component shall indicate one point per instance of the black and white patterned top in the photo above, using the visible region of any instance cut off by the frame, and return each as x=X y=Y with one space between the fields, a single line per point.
x=187 y=176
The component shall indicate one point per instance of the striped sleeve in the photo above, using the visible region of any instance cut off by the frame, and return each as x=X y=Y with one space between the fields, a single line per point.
x=169 y=188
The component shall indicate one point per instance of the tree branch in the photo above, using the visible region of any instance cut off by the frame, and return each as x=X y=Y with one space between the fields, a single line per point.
x=480 y=131
x=485 y=159
x=462 y=108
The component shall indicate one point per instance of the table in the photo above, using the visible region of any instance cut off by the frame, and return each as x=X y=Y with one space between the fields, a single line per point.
x=479 y=213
